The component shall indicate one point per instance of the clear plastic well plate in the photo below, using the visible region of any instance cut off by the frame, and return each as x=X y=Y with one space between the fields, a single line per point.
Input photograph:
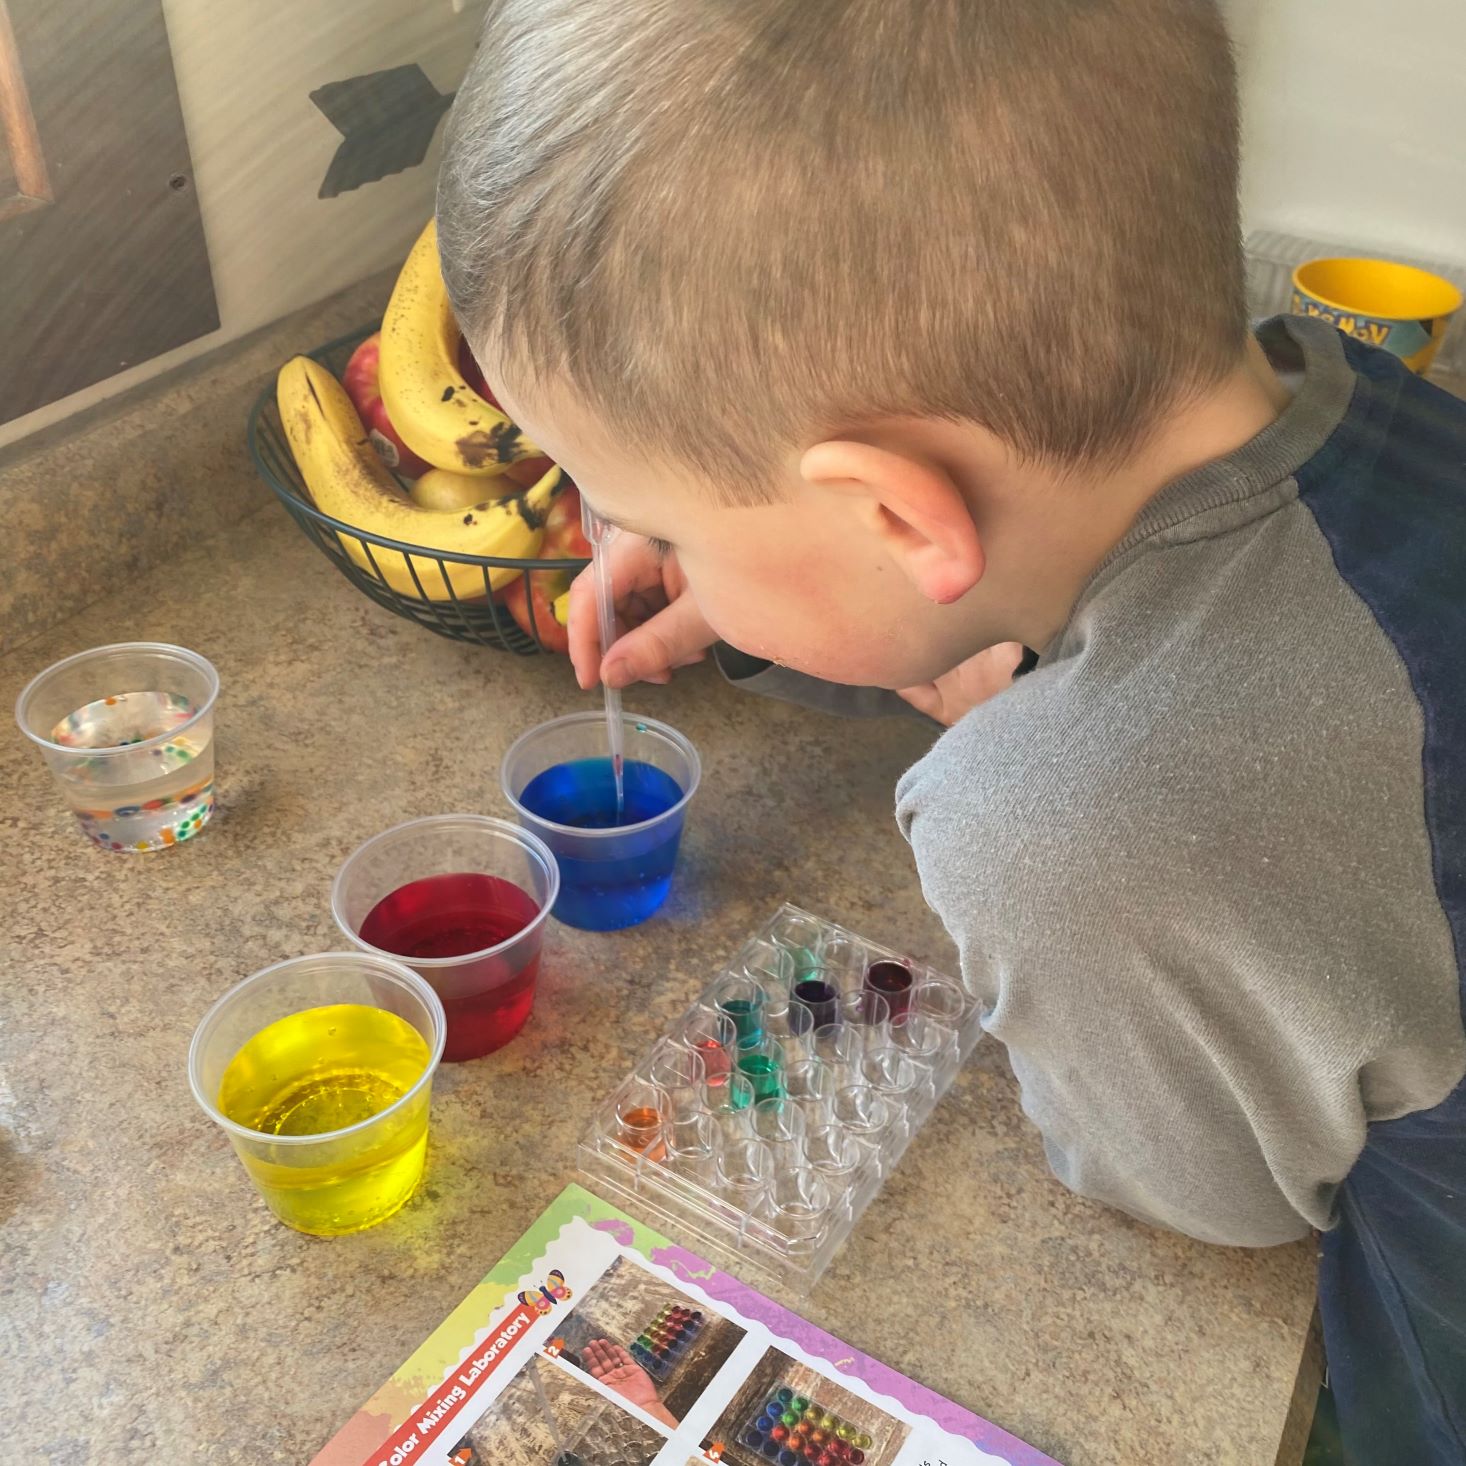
x=758 y=1128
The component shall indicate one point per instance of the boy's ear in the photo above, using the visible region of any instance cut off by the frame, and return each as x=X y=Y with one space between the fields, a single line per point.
x=914 y=506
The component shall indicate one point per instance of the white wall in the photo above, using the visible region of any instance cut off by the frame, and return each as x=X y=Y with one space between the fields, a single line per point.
x=1354 y=111
x=260 y=148
x=1354 y=121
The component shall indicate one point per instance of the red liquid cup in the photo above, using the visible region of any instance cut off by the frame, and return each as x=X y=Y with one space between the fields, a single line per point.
x=462 y=899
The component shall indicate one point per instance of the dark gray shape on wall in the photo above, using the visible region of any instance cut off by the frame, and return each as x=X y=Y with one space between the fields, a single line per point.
x=386 y=120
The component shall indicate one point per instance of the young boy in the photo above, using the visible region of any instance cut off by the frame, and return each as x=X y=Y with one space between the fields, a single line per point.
x=897 y=331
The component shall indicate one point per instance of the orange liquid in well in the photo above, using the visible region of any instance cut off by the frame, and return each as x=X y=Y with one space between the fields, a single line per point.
x=639 y=1130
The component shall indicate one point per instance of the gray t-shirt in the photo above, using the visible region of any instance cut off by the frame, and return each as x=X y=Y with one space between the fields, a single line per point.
x=1185 y=859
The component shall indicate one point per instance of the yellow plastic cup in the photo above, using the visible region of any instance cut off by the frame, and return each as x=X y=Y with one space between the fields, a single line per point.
x=1398 y=307
x=320 y=1071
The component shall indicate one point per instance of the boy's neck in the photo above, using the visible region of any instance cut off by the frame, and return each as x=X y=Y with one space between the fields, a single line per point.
x=1091 y=516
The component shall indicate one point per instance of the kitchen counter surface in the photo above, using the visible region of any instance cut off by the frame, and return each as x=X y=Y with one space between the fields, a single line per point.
x=151 y=1309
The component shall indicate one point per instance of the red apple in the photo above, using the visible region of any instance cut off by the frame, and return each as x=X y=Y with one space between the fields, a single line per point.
x=548 y=586
x=564 y=537
x=473 y=375
x=529 y=471
x=564 y=540
x=360 y=381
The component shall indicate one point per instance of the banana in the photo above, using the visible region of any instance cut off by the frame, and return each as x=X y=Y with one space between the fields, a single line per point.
x=348 y=481
x=440 y=488
x=440 y=417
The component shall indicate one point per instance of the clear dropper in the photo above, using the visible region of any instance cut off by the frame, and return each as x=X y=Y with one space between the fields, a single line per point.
x=600 y=535
x=550 y=1422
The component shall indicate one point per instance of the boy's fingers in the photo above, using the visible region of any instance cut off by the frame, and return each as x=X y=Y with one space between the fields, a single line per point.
x=924 y=698
x=658 y=645
x=585 y=640
x=634 y=567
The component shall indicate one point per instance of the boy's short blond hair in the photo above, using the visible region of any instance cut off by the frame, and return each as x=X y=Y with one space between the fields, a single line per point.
x=734 y=227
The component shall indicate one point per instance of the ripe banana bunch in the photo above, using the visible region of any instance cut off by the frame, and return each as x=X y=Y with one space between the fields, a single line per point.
x=348 y=481
x=440 y=417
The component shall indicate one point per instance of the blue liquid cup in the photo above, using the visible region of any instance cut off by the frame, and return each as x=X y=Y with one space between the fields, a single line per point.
x=558 y=777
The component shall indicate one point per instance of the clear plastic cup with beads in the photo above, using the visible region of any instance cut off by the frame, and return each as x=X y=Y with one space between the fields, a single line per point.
x=127 y=732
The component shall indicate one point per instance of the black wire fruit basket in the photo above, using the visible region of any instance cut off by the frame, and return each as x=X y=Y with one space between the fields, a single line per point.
x=482 y=620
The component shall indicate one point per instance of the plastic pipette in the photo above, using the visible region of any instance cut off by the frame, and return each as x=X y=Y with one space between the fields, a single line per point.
x=534 y=1373
x=600 y=534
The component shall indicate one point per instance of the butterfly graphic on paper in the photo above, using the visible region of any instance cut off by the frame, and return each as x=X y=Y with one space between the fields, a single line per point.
x=544 y=1297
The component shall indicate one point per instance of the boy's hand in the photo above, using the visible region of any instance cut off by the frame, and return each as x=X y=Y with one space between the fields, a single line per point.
x=659 y=624
x=957 y=692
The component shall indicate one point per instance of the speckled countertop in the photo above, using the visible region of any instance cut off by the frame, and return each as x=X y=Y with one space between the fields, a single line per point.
x=150 y=1307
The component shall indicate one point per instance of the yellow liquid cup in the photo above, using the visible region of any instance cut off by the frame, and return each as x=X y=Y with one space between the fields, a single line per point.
x=320 y=1070
x=1402 y=309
